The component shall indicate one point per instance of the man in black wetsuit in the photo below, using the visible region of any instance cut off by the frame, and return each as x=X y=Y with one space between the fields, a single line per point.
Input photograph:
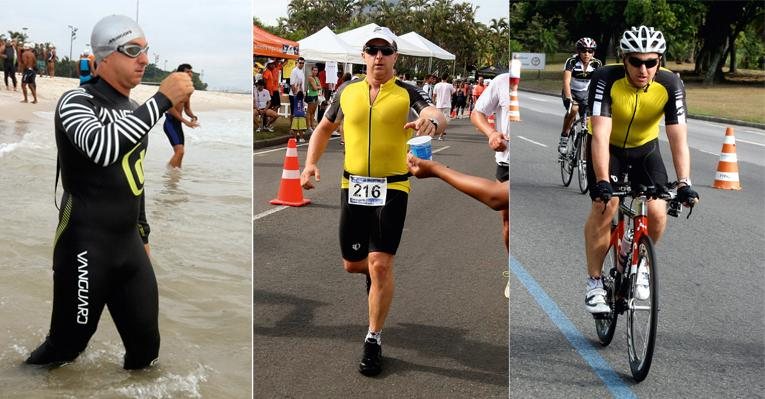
x=9 y=63
x=99 y=255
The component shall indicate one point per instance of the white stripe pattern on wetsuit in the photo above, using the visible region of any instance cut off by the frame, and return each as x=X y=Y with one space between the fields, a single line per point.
x=100 y=136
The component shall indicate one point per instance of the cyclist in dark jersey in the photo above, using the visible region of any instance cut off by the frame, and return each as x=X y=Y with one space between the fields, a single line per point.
x=577 y=72
x=100 y=254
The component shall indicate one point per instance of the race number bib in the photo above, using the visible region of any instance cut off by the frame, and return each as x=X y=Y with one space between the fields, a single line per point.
x=367 y=191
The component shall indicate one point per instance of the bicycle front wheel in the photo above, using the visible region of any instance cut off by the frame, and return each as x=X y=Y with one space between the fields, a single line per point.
x=642 y=314
x=605 y=324
x=581 y=162
x=567 y=161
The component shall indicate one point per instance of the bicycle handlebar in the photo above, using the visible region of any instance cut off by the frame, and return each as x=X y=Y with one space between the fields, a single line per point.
x=667 y=193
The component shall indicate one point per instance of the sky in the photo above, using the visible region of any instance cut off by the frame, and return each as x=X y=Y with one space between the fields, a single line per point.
x=269 y=11
x=215 y=37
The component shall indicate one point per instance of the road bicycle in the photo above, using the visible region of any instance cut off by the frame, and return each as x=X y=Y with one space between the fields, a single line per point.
x=576 y=153
x=630 y=248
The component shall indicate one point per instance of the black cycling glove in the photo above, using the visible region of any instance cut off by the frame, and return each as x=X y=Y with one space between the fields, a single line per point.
x=686 y=195
x=601 y=190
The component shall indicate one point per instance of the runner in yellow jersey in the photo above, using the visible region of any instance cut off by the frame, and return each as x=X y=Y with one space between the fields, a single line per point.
x=627 y=102
x=375 y=115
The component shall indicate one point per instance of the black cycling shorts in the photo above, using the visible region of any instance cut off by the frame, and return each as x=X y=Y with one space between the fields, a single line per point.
x=503 y=172
x=643 y=164
x=365 y=229
x=580 y=97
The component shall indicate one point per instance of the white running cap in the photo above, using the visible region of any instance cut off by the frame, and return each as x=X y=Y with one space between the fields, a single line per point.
x=111 y=32
x=384 y=33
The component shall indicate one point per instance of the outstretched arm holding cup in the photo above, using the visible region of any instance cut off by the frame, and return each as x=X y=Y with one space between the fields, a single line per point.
x=494 y=194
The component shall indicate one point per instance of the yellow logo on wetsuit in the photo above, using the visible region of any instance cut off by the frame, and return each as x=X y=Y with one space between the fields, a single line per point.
x=134 y=174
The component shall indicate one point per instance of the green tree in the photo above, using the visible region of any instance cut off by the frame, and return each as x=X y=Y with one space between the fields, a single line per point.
x=20 y=37
x=723 y=23
x=447 y=23
x=751 y=41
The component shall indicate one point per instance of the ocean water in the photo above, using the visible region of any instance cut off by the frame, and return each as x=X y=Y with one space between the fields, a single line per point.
x=201 y=242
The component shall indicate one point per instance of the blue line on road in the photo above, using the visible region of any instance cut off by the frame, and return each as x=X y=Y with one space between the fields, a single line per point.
x=599 y=365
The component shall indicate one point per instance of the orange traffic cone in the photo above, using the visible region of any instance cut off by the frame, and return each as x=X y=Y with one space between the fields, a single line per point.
x=727 y=169
x=453 y=114
x=513 y=112
x=290 y=192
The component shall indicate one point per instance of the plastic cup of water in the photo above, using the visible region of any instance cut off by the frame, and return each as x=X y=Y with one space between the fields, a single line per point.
x=421 y=147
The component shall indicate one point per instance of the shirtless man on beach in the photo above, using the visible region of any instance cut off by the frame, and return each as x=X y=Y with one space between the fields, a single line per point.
x=28 y=63
x=174 y=119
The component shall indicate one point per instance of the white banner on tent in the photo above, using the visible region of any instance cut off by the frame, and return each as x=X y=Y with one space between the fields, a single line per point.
x=330 y=69
x=531 y=60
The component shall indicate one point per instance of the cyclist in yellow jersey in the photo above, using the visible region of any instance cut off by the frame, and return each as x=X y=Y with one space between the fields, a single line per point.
x=375 y=115
x=627 y=102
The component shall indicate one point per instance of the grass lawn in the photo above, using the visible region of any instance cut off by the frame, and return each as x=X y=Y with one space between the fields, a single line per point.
x=281 y=128
x=742 y=98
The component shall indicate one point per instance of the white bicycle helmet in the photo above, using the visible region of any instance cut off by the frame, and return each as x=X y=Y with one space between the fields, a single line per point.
x=585 y=43
x=642 y=39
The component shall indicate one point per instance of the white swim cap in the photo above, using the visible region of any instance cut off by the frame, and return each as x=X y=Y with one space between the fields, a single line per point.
x=111 y=32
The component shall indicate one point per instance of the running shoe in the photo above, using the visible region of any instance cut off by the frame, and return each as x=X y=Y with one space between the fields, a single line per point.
x=595 y=301
x=507 y=290
x=257 y=130
x=371 y=359
x=642 y=290
x=270 y=129
x=563 y=145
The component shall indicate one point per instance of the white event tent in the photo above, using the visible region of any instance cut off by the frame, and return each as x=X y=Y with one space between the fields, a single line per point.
x=356 y=38
x=324 y=45
x=435 y=50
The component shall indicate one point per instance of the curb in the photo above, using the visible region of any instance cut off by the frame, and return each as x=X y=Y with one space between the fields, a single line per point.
x=270 y=142
x=699 y=117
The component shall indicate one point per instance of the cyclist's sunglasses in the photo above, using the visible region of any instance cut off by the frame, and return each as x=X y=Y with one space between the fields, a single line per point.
x=386 y=50
x=588 y=50
x=132 y=50
x=637 y=62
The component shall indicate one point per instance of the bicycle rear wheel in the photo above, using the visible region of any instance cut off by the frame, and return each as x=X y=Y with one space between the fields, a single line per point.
x=567 y=161
x=642 y=314
x=581 y=161
x=605 y=324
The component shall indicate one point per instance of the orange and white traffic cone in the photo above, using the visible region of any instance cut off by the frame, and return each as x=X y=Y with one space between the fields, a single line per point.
x=727 y=169
x=290 y=191
x=513 y=112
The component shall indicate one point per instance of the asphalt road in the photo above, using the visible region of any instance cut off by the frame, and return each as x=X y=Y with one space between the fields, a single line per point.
x=447 y=333
x=711 y=270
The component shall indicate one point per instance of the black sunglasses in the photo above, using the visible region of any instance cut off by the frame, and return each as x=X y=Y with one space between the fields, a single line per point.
x=637 y=62
x=587 y=50
x=132 y=50
x=372 y=50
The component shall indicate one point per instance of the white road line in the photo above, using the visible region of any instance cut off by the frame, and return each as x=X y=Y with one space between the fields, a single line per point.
x=532 y=141
x=282 y=148
x=709 y=152
x=282 y=207
x=749 y=142
x=268 y=212
x=267 y=151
